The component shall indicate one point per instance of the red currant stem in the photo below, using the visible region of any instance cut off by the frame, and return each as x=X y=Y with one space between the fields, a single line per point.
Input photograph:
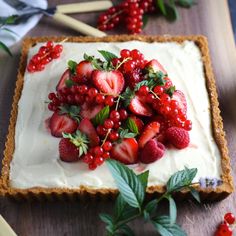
x=117 y=102
x=105 y=139
x=64 y=40
x=46 y=102
x=121 y=63
x=154 y=95
x=112 y=16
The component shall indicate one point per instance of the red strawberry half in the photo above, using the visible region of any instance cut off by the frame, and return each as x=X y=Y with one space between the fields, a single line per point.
x=62 y=82
x=61 y=123
x=109 y=82
x=150 y=131
x=152 y=151
x=86 y=127
x=156 y=66
x=68 y=151
x=139 y=107
x=126 y=151
x=90 y=110
x=84 y=69
x=180 y=98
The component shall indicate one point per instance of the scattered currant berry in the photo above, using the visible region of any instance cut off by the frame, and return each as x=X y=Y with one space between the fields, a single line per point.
x=229 y=218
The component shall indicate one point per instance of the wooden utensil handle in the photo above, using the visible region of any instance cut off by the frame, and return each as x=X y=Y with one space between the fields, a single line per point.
x=5 y=229
x=78 y=25
x=84 y=7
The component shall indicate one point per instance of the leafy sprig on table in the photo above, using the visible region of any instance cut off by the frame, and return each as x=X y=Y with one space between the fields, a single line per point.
x=130 y=202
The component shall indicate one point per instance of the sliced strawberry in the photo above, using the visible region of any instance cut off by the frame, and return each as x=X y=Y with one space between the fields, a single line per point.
x=139 y=107
x=62 y=82
x=109 y=82
x=156 y=66
x=84 y=69
x=68 y=151
x=126 y=151
x=86 y=127
x=180 y=98
x=61 y=123
x=150 y=131
x=90 y=110
x=138 y=122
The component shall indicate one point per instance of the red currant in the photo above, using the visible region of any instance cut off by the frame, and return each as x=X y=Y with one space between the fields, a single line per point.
x=115 y=116
x=100 y=99
x=92 y=166
x=108 y=123
x=109 y=101
x=88 y=158
x=107 y=146
x=229 y=218
x=123 y=114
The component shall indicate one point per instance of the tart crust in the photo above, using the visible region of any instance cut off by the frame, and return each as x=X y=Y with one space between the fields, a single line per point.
x=84 y=192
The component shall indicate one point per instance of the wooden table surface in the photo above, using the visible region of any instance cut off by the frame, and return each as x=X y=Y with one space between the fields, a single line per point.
x=210 y=18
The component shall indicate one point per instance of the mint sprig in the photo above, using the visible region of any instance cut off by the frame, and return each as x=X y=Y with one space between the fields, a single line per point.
x=130 y=202
x=101 y=116
x=108 y=56
x=72 y=66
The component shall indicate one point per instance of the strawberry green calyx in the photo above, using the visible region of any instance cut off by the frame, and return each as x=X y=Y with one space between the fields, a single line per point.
x=80 y=140
x=72 y=111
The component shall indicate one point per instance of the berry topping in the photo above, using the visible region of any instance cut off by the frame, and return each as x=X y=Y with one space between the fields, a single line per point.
x=178 y=137
x=86 y=127
x=89 y=110
x=155 y=66
x=61 y=124
x=223 y=230
x=229 y=218
x=150 y=131
x=109 y=82
x=126 y=151
x=62 y=82
x=68 y=151
x=179 y=97
x=152 y=151
x=84 y=69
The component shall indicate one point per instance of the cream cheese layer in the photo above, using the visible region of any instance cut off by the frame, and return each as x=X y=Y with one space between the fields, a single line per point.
x=36 y=160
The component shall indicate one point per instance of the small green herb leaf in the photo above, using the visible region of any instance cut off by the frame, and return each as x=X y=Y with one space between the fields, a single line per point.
x=69 y=83
x=181 y=179
x=127 y=96
x=170 y=91
x=120 y=205
x=124 y=133
x=143 y=177
x=165 y=228
x=195 y=194
x=131 y=125
x=145 y=21
x=73 y=111
x=107 y=55
x=72 y=66
x=101 y=116
x=171 y=12
x=151 y=206
x=106 y=218
x=185 y=3
x=173 y=210
x=161 y=5
x=5 y=48
x=129 y=185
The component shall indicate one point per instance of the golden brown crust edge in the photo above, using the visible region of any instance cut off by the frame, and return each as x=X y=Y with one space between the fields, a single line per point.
x=85 y=192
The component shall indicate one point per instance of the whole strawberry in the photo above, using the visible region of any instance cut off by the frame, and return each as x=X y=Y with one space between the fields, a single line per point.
x=178 y=137
x=68 y=151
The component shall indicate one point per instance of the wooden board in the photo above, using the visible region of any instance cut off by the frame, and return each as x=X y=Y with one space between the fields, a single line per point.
x=210 y=18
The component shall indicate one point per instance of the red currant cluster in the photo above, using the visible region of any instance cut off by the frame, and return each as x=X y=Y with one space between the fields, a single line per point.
x=129 y=12
x=108 y=132
x=226 y=227
x=45 y=55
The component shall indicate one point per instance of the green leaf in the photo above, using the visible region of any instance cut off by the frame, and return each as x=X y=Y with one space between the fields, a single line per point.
x=72 y=66
x=170 y=91
x=172 y=209
x=71 y=110
x=171 y=12
x=151 y=206
x=5 y=48
x=143 y=177
x=195 y=194
x=129 y=185
x=127 y=96
x=126 y=230
x=124 y=133
x=145 y=21
x=181 y=179
x=131 y=125
x=97 y=64
x=10 y=31
x=120 y=205
x=165 y=228
x=161 y=5
x=106 y=218
x=10 y=20
x=185 y=3
x=107 y=55
x=69 y=83
x=101 y=116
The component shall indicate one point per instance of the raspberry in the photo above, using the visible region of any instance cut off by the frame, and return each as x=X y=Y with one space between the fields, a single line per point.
x=178 y=137
x=152 y=151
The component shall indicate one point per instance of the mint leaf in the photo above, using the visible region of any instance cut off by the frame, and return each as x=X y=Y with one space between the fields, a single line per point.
x=120 y=205
x=72 y=66
x=195 y=194
x=124 y=133
x=161 y=5
x=101 y=116
x=181 y=179
x=165 y=228
x=172 y=209
x=143 y=177
x=126 y=230
x=185 y=3
x=171 y=12
x=145 y=20
x=127 y=96
x=131 y=125
x=151 y=206
x=129 y=185
x=107 y=55
x=170 y=91
x=5 y=48
x=106 y=218
x=97 y=64
x=71 y=110
x=69 y=83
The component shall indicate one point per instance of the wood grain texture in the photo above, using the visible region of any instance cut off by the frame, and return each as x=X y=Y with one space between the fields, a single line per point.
x=210 y=18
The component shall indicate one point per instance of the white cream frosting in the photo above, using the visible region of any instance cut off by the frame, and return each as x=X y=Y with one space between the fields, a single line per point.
x=36 y=158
